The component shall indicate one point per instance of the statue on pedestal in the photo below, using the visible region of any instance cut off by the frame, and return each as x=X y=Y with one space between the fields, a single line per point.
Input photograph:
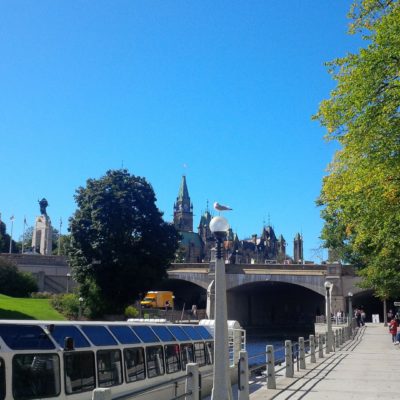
x=43 y=205
x=43 y=231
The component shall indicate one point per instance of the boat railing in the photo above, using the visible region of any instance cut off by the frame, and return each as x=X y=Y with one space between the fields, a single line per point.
x=192 y=380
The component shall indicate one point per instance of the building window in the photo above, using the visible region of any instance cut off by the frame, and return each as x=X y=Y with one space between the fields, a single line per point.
x=109 y=369
x=79 y=372
x=35 y=376
x=155 y=361
x=134 y=364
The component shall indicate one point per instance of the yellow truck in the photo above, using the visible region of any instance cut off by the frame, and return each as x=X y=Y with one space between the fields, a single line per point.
x=158 y=299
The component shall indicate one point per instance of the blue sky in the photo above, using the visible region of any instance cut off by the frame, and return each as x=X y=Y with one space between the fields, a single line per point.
x=226 y=88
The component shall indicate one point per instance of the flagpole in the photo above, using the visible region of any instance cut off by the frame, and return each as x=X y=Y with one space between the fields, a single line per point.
x=12 y=225
x=23 y=235
x=59 y=238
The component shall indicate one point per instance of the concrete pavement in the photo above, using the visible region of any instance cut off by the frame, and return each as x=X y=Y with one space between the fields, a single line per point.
x=365 y=368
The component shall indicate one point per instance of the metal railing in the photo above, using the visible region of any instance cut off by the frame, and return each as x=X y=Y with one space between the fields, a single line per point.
x=287 y=358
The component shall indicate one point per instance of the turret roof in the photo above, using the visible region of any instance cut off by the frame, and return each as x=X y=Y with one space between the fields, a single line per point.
x=183 y=190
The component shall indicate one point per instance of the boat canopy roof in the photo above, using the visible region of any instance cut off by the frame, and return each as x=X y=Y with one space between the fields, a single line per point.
x=46 y=335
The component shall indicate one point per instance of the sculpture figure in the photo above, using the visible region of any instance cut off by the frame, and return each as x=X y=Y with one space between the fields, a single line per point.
x=43 y=205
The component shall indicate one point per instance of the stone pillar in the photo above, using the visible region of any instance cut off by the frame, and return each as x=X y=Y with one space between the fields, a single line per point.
x=42 y=235
x=210 y=300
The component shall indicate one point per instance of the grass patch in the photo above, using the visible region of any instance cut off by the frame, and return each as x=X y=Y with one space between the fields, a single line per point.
x=25 y=308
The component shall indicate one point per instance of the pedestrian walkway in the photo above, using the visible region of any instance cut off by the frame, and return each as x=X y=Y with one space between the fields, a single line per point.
x=366 y=368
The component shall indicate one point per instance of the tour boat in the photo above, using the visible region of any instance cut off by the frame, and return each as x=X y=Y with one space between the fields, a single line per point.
x=143 y=360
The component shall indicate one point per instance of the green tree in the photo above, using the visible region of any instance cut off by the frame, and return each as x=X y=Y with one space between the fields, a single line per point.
x=361 y=193
x=5 y=240
x=15 y=283
x=120 y=245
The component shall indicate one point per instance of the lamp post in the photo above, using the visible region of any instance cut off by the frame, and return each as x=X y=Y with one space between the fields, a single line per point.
x=350 y=316
x=222 y=389
x=385 y=316
x=80 y=308
x=68 y=278
x=328 y=287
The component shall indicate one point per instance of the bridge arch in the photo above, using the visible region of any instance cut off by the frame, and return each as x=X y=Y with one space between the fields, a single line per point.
x=311 y=282
x=275 y=306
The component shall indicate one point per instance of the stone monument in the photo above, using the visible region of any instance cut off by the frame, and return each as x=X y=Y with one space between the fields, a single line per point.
x=42 y=239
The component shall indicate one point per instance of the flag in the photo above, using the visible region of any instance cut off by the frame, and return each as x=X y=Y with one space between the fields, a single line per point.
x=25 y=223
x=12 y=218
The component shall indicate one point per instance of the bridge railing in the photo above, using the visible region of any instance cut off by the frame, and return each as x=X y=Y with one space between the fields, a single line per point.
x=294 y=355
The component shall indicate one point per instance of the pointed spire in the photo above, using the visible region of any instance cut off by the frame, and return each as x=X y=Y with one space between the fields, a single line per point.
x=183 y=190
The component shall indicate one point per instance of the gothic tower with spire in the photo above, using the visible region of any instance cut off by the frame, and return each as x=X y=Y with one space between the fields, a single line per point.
x=298 y=249
x=183 y=209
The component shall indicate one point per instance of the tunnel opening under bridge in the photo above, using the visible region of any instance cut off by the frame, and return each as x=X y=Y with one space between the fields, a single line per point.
x=275 y=308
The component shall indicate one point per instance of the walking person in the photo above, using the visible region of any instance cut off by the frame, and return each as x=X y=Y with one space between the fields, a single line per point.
x=363 y=317
x=393 y=325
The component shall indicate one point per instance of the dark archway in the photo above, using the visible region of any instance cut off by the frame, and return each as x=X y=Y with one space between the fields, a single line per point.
x=371 y=305
x=275 y=308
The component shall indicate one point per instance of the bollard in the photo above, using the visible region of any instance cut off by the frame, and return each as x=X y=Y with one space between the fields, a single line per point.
x=332 y=341
x=344 y=339
x=289 y=359
x=320 y=347
x=192 y=381
x=243 y=378
x=101 y=394
x=312 y=349
x=271 y=382
x=302 y=353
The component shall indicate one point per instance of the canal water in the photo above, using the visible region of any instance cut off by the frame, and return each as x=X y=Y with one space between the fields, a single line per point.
x=256 y=347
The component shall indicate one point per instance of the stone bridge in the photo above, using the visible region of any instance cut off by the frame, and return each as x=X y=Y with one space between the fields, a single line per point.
x=244 y=281
x=256 y=292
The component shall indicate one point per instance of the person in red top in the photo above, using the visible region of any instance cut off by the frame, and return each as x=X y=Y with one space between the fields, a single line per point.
x=393 y=329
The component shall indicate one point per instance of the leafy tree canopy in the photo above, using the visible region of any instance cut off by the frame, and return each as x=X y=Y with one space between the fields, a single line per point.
x=361 y=193
x=119 y=241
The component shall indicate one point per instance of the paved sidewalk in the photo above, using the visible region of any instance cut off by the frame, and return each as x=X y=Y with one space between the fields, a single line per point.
x=366 y=368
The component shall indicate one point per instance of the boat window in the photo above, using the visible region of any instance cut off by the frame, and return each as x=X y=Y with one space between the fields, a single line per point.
x=109 y=368
x=25 y=337
x=172 y=358
x=210 y=352
x=134 y=364
x=35 y=376
x=98 y=335
x=145 y=334
x=163 y=333
x=2 y=379
x=79 y=371
x=187 y=354
x=60 y=332
x=178 y=332
x=192 y=332
x=155 y=361
x=123 y=334
x=204 y=333
x=200 y=354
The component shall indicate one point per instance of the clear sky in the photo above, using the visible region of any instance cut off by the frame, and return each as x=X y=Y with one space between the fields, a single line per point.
x=221 y=90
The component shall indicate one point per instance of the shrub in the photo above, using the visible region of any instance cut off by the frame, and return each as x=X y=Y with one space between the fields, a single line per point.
x=42 y=295
x=131 y=312
x=66 y=304
x=15 y=283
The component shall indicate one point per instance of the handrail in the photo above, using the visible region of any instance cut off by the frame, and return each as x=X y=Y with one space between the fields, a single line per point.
x=152 y=387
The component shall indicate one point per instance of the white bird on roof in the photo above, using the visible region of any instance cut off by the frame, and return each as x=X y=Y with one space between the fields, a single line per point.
x=220 y=207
